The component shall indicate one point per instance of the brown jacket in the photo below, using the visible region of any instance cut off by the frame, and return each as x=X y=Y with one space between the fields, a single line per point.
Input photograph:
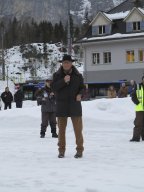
x=123 y=92
x=111 y=93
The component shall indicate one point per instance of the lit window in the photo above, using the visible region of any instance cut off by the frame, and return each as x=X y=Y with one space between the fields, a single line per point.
x=130 y=56
x=101 y=29
x=95 y=58
x=107 y=57
x=136 y=26
x=141 y=55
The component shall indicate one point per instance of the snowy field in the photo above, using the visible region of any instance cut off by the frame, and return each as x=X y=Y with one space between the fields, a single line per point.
x=110 y=163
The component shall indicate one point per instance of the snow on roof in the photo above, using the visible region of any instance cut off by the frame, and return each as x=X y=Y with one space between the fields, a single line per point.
x=120 y=15
x=114 y=36
x=142 y=10
x=114 y=16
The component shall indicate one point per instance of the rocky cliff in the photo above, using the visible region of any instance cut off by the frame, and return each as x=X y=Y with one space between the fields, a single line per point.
x=53 y=10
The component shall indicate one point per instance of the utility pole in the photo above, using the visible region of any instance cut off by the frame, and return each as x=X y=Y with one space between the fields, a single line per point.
x=35 y=69
x=69 y=31
x=7 y=75
x=2 y=47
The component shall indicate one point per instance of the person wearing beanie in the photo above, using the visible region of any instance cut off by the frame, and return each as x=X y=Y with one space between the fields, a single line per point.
x=68 y=86
x=48 y=109
x=138 y=99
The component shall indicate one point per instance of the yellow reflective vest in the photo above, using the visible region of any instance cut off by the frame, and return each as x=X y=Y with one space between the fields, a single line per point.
x=140 y=96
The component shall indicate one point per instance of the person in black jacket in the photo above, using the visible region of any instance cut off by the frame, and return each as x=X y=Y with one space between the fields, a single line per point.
x=68 y=86
x=18 y=98
x=7 y=98
x=48 y=108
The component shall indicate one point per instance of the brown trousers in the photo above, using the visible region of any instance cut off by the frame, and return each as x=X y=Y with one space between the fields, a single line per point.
x=77 y=125
x=138 y=130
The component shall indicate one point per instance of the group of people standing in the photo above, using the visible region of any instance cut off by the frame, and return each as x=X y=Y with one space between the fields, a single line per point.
x=66 y=91
x=136 y=91
x=124 y=90
x=61 y=98
x=8 y=98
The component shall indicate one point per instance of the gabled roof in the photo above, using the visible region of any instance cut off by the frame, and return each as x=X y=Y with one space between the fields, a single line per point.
x=118 y=26
x=127 y=5
x=141 y=11
x=100 y=13
x=115 y=16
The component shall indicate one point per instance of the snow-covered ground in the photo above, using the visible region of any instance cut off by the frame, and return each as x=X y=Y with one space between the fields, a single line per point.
x=110 y=163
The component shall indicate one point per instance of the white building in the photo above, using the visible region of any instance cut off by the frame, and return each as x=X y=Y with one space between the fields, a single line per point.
x=114 y=44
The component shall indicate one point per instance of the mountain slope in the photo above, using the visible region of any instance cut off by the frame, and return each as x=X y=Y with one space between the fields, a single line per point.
x=117 y=2
x=52 y=10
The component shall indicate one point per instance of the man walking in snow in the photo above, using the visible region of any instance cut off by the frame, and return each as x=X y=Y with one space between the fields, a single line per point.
x=68 y=85
x=138 y=99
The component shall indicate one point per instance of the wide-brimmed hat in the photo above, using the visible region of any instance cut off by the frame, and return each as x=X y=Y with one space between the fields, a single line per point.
x=67 y=58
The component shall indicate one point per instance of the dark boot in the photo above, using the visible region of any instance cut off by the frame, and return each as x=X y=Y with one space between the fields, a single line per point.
x=54 y=135
x=42 y=136
x=61 y=155
x=78 y=155
x=134 y=140
x=42 y=133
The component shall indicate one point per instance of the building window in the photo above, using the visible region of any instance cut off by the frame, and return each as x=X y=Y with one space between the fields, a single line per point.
x=96 y=58
x=136 y=26
x=141 y=55
x=130 y=56
x=101 y=29
x=107 y=57
x=94 y=30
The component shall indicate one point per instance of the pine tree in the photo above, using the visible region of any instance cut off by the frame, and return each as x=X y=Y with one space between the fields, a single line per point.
x=86 y=22
x=76 y=34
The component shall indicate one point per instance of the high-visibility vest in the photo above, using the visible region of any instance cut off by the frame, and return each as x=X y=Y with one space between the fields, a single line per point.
x=140 y=96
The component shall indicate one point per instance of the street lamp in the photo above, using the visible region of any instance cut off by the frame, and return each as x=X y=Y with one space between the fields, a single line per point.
x=69 y=31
